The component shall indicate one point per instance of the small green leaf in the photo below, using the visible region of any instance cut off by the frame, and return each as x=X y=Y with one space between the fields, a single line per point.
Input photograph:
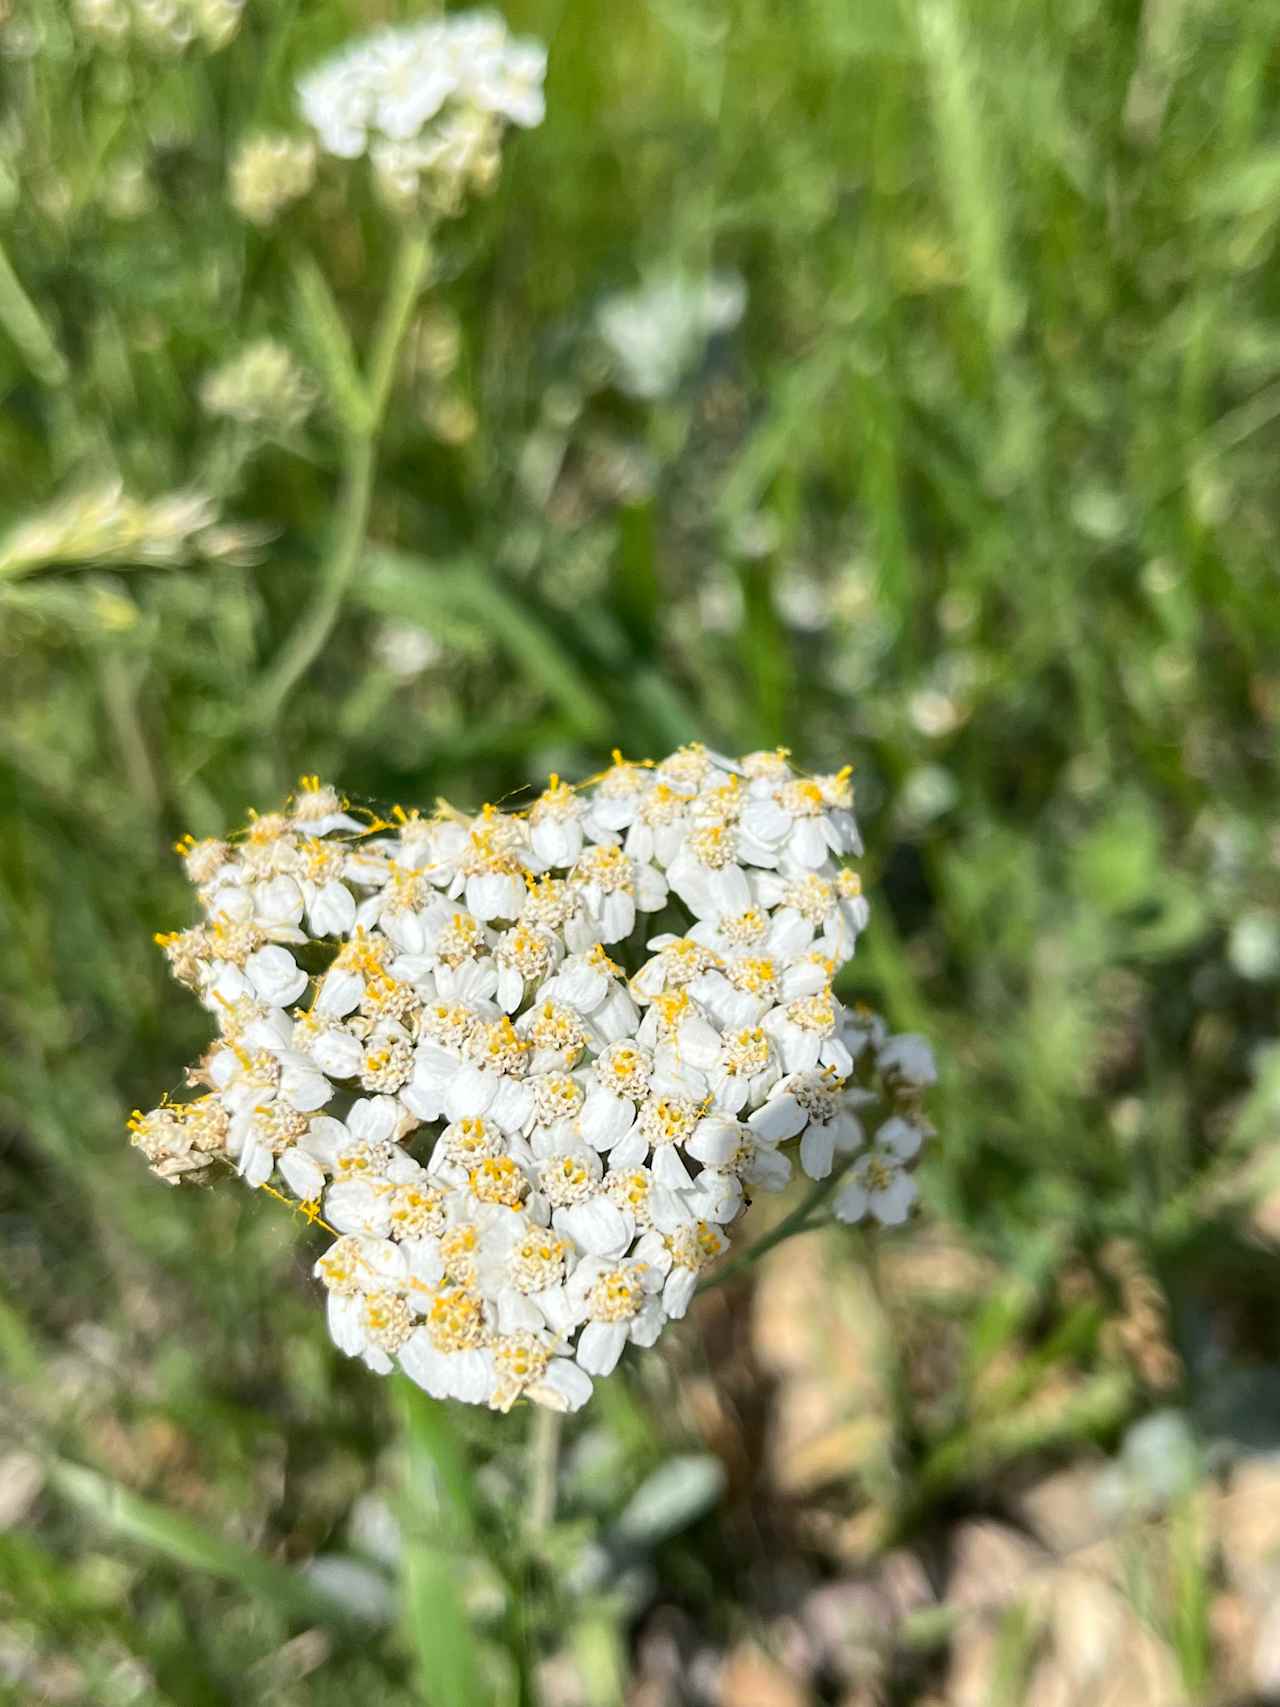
x=677 y=1494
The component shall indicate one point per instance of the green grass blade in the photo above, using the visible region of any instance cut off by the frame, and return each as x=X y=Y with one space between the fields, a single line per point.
x=413 y=589
x=439 y=1523
x=188 y=1543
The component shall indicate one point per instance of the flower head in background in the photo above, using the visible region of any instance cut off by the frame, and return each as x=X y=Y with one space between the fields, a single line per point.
x=526 y=1121
x=656 y=335
x=105 y=524
x=428 y=104
x=268 y=172
x=162 y=27
x=260 y=387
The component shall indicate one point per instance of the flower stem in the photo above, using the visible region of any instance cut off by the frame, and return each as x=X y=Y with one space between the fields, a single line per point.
x=798 y=1221
x=544 y=1465
x=360 y=455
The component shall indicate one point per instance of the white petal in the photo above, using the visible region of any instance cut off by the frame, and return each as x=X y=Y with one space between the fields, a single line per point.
x=422 y=1363
x=617 y=917
x=337 y=1054
x=597 y=1226
x=340 y=993
x=894 y=1205
x=600 y=1346
x=304 y=1087
x=564 y=1386
x=766 y=820
x=731 y=890
x=470 y=1092
x=677 y=1294
x=353 y=1206
x=700 y=1043
x=512 y=1105
x=278 y=901
x=850 y=1202
x=900 y=1137
x=779 y=1118
x=669 y=1169
x=667 y=1209
x=630 y=1151
x=275 y=975
x=333 y=910
x=346 y=1322
x=372 y=1120
x=471 y=1377
x=303 y=1176
x=604 y=1118
x=817 y=1150
x=255 y=1163
x=715 y=1141
x=646 y=1327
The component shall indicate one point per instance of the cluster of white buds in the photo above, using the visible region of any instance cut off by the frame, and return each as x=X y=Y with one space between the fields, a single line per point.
x=428 y=103
x=261 y=386
x=527 y=1116
x=161 y=26
x=267 y=172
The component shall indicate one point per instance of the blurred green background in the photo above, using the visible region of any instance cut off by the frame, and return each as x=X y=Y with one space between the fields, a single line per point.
x=977 y=491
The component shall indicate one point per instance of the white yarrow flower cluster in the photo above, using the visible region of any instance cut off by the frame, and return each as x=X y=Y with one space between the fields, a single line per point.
x=527 y=1119
x=427 y=103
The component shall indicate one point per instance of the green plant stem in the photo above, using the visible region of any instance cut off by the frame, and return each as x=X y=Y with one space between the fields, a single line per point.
x=25 y=325
x=796 y=1222
x=544 y=1465
x=360 y=459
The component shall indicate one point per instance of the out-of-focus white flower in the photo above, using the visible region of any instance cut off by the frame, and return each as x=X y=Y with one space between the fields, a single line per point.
x=657 y=333
x=528 y=1124
x=262 y=386
x=267 y=172
x=879 y=1184
x=165 y=27
x=406 y=651
x=427 y=102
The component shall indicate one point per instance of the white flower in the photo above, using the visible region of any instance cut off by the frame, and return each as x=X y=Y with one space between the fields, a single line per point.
x=267 y=172
x=619 y=1301
x=657 y=333
x=611 y=887
x=361 y=1147
x=910 y=1057
x=746 y=1069
x=616 y=800
x=555 y=824
x=525 y=955
x=368 y=1315
x=416 y=97
x=816 y=1106
x=806 y=820
x=806 y=1032
x=592 y=985
x=707 y=874
x=878 y=1183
